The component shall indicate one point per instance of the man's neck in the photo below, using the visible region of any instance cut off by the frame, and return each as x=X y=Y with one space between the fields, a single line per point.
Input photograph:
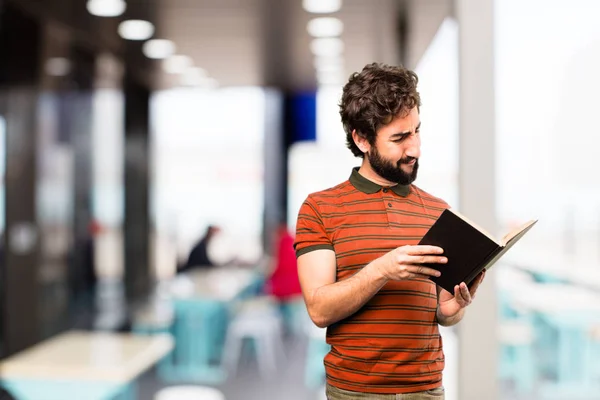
x=367 y=172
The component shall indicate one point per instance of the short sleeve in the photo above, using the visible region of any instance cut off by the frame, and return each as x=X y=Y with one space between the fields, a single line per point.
x=310 y=230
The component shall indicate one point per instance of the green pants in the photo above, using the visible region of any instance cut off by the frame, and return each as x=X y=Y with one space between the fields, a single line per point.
x=334 y=393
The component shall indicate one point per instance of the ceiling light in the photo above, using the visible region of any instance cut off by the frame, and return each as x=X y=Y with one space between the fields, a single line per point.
x=330 y=68
x=106 y=8
x=199 y=82
x=328 y=63
x=136 y=29
x=194 y=77
x=324 y=47
x=158 y=48
x=210 y=83
x=177 y=64
x=329 y=82
x=330 y=76
x=325 y=27
x=322 y=6
x=57 y=66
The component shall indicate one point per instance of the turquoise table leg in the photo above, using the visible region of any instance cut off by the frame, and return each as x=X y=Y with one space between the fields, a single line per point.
x=164 y=367
x=129 y=393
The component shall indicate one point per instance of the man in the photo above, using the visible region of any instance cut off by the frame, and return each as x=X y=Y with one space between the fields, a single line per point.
x=199 y=257
x=361 y=270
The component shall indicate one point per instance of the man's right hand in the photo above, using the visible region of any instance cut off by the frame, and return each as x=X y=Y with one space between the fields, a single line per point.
x=406 y=262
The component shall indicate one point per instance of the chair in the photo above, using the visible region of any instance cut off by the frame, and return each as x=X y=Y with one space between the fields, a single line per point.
x=594 y=354
x=314 y=369
x=189 y=392
x=294 y=314
x=517 y=359
x=517 y=337
x=259 y=321
x=198 y=341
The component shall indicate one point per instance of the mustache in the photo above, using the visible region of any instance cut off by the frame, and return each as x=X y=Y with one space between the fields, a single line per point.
x=406 y=160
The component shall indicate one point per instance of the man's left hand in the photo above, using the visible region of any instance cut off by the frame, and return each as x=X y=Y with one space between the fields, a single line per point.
x=450 y=305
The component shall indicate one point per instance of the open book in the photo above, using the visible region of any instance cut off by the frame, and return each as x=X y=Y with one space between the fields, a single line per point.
x=469 y=248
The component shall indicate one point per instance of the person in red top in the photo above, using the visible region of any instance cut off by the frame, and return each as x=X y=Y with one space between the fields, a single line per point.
x=283 y=282
x=362 y=272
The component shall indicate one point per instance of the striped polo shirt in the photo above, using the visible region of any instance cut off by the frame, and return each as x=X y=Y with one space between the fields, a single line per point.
x=392 y=344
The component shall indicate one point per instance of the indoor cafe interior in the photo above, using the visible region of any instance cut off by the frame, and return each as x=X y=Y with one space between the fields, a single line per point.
x=154 y=156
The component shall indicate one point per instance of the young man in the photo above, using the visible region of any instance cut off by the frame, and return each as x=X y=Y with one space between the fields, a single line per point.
x=361 y=270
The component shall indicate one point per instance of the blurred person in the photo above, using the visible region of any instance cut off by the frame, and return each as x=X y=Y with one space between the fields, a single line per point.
x=199 y=257
x=84 y=278
x=90 y=274
x=282 y=280
x=361 y=269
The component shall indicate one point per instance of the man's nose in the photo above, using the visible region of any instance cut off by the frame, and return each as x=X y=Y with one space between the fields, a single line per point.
x=414 y=147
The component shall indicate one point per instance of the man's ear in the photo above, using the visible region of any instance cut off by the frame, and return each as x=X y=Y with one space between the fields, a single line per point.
x=361 y=142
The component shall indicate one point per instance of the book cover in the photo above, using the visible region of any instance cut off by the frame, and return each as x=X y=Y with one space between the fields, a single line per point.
x=469 y=248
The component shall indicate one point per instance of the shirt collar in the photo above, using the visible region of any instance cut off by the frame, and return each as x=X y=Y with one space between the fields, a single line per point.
x=368 y=187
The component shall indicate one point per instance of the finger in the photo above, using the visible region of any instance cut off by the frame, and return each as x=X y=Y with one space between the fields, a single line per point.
x=464 y=292
x=425 y=259
x=458 y=296
x=423 y=249
x=425 y=271
x=419 y=276
x=476 y=283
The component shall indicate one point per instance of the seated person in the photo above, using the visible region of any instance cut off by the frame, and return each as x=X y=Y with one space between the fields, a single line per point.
x=199 y=257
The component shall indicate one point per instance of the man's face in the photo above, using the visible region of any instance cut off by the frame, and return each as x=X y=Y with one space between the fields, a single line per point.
x=395 y=154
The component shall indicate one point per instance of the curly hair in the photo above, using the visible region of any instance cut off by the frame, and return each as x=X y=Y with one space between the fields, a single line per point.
x=373 y=97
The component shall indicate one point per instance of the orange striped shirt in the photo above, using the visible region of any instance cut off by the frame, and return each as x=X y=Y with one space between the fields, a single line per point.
x=392 y=344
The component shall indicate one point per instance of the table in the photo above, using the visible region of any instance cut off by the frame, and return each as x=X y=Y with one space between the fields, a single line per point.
x=82 y=365
x=579 y=269
x=219 y=284
x=556 y=298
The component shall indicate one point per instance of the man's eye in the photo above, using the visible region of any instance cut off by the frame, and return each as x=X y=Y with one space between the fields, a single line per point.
x=400 y=139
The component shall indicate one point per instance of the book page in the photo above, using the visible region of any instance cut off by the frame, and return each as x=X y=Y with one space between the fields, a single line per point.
x=474 y=225
x=520 y=231
x=514 y=238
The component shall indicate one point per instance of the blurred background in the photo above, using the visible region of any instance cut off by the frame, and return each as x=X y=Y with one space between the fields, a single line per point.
x=154 y=155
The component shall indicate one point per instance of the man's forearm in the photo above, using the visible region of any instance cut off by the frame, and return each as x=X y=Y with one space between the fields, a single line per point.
x=449 y=321
x=336 y=301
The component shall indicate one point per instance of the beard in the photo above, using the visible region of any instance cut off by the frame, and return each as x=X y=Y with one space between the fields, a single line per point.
x=390 y=171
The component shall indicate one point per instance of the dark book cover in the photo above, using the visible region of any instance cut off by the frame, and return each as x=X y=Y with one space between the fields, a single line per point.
x=467 y=249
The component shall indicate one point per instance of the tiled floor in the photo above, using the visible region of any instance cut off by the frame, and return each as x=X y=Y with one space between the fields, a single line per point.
x=287 y=384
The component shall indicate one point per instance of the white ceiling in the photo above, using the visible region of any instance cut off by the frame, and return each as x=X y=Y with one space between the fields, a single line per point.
x=228 y=38
x=222 y=36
